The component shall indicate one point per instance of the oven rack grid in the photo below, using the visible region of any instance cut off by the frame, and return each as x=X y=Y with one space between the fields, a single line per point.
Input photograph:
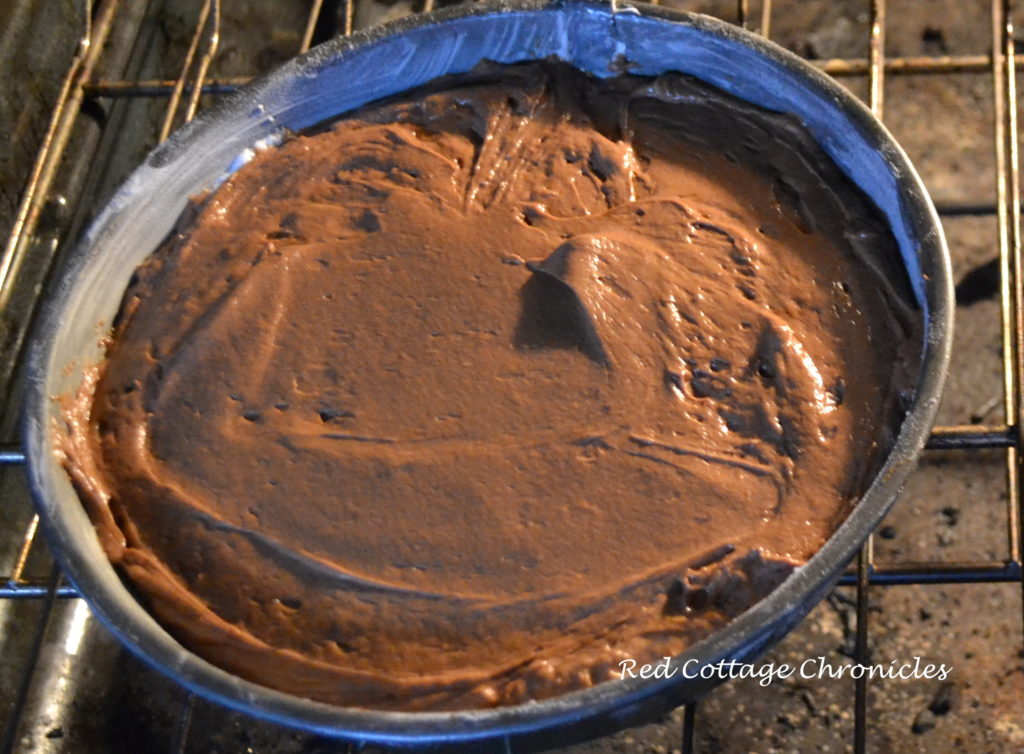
x=81 y=88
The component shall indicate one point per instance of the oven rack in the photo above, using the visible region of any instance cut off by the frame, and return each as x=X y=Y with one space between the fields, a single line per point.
x=79 y=97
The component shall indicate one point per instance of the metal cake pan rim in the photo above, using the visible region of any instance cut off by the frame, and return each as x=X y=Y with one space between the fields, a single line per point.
x=744 y=637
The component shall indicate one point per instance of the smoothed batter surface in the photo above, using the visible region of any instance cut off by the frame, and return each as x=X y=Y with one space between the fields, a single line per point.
x=463 y=399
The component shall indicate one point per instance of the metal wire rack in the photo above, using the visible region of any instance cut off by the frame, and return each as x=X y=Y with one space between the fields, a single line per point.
x=81 y=88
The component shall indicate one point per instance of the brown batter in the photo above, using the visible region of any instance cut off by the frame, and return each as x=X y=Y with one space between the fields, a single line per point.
x=471 y=395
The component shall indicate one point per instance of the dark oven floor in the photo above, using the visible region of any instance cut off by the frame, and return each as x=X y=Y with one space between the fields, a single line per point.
x=66 y=686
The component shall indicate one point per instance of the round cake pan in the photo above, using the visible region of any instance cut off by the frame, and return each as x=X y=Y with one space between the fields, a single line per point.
x=348 y=72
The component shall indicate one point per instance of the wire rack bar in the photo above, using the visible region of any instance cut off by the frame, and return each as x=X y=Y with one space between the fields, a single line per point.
x=860 y=651
x=11 y=457
x=903 y=574
x=766 y=18
x=1008 y=221
x=918 y=64
x=971 y=437
x=34 y=590
x=689 y=728
x=350 y=14
x=207 y=31
x=876 y=100
x=193 y=82
x=315 y=9
x=27 y=539
x=1016 y=518
x=58 y=132
x=839 y=67
x=963 y=209
x=955 y=437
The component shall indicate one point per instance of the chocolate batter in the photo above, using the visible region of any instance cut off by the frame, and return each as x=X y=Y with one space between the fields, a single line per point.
x=461 y=400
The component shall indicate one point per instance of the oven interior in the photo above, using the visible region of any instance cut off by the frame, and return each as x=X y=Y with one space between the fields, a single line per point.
x=91 y=86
